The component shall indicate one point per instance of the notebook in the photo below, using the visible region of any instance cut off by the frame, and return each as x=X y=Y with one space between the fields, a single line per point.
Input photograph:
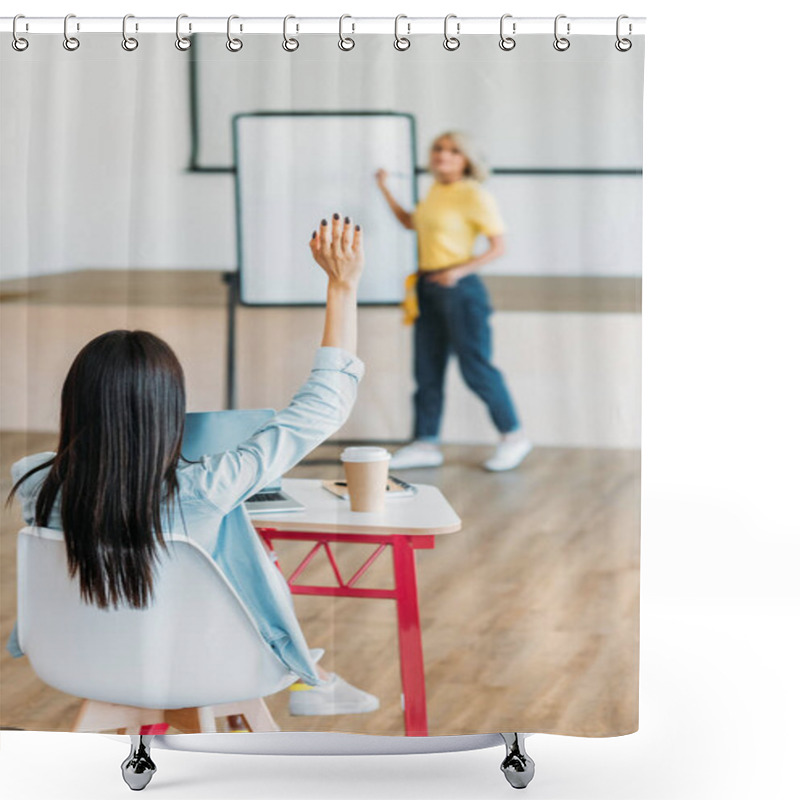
x=395 y=487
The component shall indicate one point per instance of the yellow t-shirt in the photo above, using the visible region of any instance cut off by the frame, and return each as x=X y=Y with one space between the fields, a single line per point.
x=450 y=219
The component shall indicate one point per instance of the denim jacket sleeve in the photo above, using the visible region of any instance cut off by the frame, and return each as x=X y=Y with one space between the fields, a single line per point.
x=317 y=410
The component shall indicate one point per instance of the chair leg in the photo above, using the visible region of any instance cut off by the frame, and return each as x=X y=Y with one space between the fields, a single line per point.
x=237 y=724
x=191 y=720
x=255 y=711
x=95 y=716
x=259 y=717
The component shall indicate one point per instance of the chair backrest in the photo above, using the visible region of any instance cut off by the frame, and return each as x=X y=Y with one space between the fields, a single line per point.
x=195 y=645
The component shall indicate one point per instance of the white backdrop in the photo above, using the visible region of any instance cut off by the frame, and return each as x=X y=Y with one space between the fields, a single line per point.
x=719 y=696
x=537 y=108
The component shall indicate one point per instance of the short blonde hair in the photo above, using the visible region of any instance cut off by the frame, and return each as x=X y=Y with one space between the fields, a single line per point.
x=476 y=167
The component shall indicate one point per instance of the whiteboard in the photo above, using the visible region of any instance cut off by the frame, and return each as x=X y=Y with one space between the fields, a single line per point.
x=294 y=169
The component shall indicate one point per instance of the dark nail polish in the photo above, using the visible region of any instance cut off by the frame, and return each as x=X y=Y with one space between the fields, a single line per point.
x=358 y=227
x=347 y=220
x=314 y=235
x=336 y=216
x=324 y=222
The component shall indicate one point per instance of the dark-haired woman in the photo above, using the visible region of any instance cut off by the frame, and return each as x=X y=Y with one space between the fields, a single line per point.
x=117 y=483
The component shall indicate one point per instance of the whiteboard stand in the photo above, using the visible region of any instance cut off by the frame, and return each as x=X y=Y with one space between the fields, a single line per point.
x=232 y=280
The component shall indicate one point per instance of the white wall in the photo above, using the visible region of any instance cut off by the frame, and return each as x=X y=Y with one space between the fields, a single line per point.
x=93 y=149
x=575 y=378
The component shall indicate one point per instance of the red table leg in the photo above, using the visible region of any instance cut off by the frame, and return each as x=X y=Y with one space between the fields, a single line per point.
x=159 y=729
x=412 y=667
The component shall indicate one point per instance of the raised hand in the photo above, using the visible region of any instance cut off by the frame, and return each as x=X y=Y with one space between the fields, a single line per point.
x=338 y=249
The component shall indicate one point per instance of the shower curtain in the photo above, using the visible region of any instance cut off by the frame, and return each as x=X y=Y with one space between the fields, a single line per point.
x=174 y=189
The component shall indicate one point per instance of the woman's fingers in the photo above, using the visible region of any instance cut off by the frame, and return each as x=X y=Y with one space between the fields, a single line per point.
x=320 y=244
x=347 y=234
x=336 y=235
x=324 y=234
x=336 y=247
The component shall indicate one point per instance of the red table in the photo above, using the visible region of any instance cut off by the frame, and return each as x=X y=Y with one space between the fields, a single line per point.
x=406 y=525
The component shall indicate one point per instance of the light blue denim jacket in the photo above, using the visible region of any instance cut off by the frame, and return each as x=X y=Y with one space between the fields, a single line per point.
x=212 y=490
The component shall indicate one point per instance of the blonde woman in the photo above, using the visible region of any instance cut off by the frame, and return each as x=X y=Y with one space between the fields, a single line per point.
x=453 y=305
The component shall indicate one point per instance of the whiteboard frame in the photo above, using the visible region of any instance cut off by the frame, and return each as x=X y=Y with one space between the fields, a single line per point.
x=239 y=250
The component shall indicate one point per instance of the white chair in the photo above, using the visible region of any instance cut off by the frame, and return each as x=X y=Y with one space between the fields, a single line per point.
x=193 y=654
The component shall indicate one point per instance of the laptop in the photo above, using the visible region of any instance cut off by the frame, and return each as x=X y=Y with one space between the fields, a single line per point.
x=211 y=432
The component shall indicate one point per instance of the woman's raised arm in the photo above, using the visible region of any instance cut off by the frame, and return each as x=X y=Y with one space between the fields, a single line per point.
x=321 y=405
x=404 y=217
x=338 y=249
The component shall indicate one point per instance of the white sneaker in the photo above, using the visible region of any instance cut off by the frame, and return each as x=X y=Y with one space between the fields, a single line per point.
x=417 y=454
x=508 y=455
x=335 y=696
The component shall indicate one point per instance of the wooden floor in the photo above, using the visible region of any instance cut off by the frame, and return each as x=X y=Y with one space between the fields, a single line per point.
x=530 y=615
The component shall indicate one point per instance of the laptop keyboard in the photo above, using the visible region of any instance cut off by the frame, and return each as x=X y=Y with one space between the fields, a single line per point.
x=266 y=497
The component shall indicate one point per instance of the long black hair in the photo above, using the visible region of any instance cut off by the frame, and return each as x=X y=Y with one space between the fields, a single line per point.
x=123 y=407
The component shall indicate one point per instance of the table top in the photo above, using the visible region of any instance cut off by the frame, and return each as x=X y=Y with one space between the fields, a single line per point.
x=426 y=513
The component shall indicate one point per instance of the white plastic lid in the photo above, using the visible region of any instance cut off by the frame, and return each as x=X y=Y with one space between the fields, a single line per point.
x=362 y=454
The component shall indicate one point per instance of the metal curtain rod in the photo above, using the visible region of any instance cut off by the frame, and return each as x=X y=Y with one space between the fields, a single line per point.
x=461 y=26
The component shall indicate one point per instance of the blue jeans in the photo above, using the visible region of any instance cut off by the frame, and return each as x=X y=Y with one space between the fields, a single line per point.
x=456 y=319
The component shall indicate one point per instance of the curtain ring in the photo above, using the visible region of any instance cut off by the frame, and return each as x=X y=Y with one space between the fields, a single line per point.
x=181 y=42
x=561 y=43
x=623 y=45
x=507 y=42
x=233 y=44
x=290 y=44
x=129 y=43
x=346 y=42
x=401 y=42
x=18 y=43
x=70 y=43
x=451 y=42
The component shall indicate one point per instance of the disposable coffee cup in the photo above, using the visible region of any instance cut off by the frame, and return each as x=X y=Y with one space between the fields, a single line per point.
x=366 y=470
